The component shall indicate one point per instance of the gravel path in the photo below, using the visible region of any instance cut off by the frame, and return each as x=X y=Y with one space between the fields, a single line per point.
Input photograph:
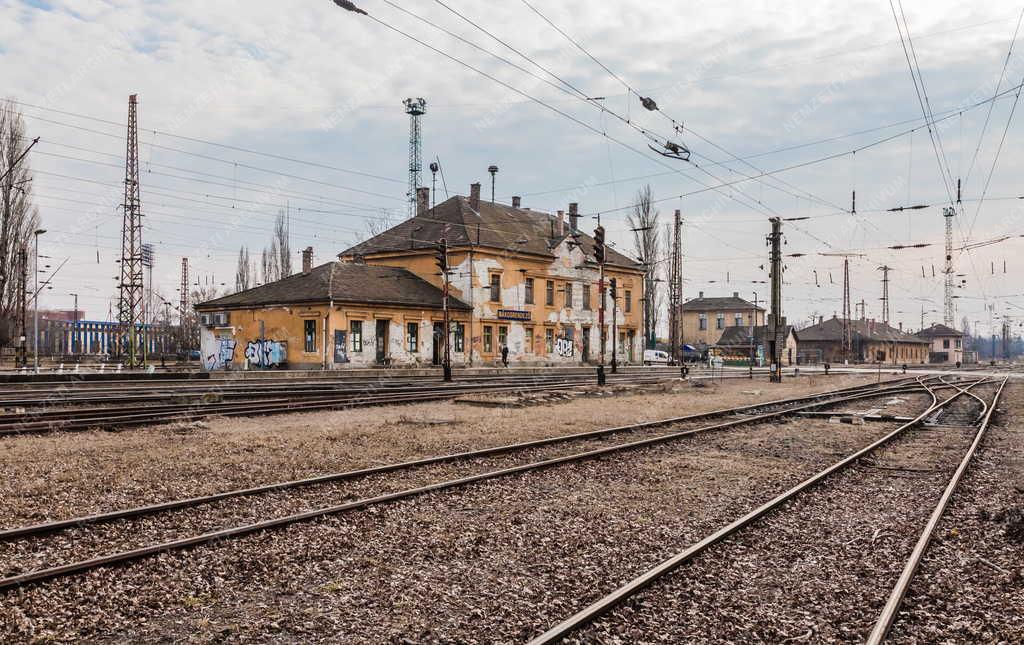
x=493 y=563
x=819 y=569
x=64 y=475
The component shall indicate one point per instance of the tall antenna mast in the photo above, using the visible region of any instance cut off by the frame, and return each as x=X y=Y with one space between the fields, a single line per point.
x=675 y=288
x=415 y=108
x=130 y=305
x=948 y=213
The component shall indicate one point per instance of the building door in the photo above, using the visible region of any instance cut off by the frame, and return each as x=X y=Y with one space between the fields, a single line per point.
x=438 y=343
x=586 y=345
x=382 y=341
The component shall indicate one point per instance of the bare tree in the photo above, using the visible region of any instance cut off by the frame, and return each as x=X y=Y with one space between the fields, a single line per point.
x=284 y=249
x=18 y=216
x=243 y=275
x=647 y=244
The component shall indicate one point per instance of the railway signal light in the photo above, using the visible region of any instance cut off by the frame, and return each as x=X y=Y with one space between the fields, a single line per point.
x=599 y=249
x=441 y=250
x=614 y=291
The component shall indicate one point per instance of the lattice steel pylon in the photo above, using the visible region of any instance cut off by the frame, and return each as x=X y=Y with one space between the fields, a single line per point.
x=415 y=108
x=885 y=269
x=675 y=289
x=21 y=359
x=948 y=311
x=132 y=289
x=847 y=337
x=183 y=316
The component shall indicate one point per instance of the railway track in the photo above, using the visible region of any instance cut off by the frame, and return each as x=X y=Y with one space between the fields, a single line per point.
x=525 y=458
x=187 y=404
x=962 y=415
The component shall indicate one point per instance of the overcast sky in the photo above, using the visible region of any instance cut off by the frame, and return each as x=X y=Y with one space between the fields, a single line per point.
x=318 y=90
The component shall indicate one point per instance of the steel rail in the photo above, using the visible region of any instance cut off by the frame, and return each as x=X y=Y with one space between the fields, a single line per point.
x=892 y=606
x=183 y=543
x=593 y=611
x=141 y=511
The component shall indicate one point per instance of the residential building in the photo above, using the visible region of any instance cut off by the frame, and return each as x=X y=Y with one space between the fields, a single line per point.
x=947 y=344
x=706 y=319
x=529 y=278
x=871 y=342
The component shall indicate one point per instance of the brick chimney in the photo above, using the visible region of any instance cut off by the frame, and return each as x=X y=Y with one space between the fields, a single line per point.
x=700 y=294
x=574 y=218
x=736 y=294
x=307 y=260
x=474 y=196
x=901 y=326
x=422 y=200
x=560 y=229
x=516 y=201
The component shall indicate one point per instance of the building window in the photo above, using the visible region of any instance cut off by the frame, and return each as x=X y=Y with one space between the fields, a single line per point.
x=958 y=345
x=549 y=341
x=460 y=337
x=568 y=295
x=703 y=322
x=549 y=294
x=502 y=336
x=495 y=287
x=630 y=341
x=309 y=329
x=413 y=333
x=586 y=297
x=529 y=340
x=357 y=335
x=739 y=320
x=720 y=321
x=529 y=291
x=488 y=339
x=628 y=304
x=945 y=343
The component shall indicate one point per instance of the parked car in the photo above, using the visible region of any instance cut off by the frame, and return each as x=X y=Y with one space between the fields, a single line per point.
x=656 y=357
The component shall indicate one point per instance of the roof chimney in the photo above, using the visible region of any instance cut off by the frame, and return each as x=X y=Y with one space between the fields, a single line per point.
x=736 y=294
x=561 y=223
x=422 y=200
x=700 y=294
x=307 y=260
x=474 y=196
x=574 y=218
x=901 y=326
x=516 y=201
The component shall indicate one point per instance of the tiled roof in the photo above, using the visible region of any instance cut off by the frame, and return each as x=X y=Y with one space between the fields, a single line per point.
x=731 y=303
x=832 y=330
x=740 y=336
x=342 y=282
x=939 y=331
x=492 y=225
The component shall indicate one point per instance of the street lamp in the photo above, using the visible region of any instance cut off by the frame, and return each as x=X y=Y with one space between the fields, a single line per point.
x=35 y=314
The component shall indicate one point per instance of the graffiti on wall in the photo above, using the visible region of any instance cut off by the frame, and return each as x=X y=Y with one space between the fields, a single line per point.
x=265 y=353
x=224 y=354
x=564 y=347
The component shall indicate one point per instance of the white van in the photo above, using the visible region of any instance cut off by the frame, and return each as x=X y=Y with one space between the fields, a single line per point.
x=655 y=357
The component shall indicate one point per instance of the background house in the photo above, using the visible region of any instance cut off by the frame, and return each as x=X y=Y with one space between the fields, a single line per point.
x=740 y=344
x=872 y=342
x=706 y=319
x=947 y=344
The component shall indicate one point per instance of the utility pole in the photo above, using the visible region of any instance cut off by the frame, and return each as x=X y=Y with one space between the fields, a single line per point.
x=948 y=213
x=442 y=265
x=1006 y=339
x=776 y=323
x=35 y=305
x=675 y=289
x=22 y=357
x=615 y=294
x=130 y=303
x=599 y=255
x=415 y=108
x=74 y=329
x=885 y=269
x=847 y=341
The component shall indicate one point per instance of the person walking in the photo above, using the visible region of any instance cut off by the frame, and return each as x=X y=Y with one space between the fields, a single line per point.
x=504 y=355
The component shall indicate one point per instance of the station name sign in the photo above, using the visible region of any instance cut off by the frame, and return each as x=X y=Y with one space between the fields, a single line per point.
x=513 y=314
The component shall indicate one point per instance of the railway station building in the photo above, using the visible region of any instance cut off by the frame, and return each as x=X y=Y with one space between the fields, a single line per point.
x=947 y=344
x=872 y=342
x=518 y=278
x=706 y=319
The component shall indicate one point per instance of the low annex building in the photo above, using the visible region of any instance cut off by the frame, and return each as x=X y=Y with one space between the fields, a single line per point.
x=739 y=344
x=947 y=344
x=529 y=278
x=706 y=319
x=872 y=342
x=331 y=316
